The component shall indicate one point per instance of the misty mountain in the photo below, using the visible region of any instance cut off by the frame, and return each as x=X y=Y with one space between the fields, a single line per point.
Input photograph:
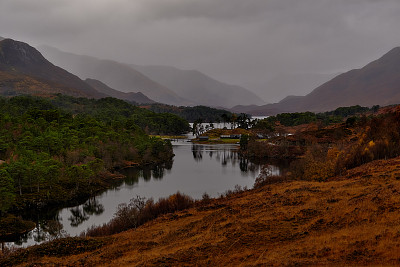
x=23 y=69
x=286 y=84
x=200 y=88
x=378 y=83
x=119 y=76
x=132 y=97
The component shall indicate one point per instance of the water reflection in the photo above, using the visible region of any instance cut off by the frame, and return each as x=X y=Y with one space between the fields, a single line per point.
x=147 y=173
x=223 y=154
x=82 y=213
x=45 y=230
x=226 y=155
x=196 y=169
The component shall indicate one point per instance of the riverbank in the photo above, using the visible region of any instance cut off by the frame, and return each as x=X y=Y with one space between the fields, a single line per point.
x=347 y=220
x=62 y=195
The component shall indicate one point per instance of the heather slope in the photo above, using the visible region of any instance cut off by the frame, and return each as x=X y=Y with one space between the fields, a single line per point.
x=349 y=220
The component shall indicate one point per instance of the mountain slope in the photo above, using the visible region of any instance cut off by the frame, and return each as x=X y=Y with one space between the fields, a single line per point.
x=200 y=88
x=23 y=68
x=116 y=75
x=378 y=83
x=133 y=97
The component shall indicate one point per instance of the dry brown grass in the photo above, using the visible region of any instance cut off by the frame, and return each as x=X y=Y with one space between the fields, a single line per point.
x=349 y=220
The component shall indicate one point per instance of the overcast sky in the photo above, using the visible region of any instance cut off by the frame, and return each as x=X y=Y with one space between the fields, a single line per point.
x=243 y=42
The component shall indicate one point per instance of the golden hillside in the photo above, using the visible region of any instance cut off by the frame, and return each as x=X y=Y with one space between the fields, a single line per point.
x=354 y=219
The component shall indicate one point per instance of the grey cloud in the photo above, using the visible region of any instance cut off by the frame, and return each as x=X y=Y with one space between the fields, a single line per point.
x=207 y=9
x=242 y=42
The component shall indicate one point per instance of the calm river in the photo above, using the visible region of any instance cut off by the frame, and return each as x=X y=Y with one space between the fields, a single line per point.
x=196 y=169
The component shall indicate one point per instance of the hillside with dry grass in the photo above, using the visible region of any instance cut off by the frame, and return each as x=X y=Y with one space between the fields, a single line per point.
x=349 y=220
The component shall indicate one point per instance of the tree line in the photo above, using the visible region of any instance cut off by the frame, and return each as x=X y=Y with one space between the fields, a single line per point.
x=54 y=151
x=326 y=118
x=192 y=114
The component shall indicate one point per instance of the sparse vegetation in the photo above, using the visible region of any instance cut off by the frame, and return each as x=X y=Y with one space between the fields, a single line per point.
x=140 y=211
x=374 y=138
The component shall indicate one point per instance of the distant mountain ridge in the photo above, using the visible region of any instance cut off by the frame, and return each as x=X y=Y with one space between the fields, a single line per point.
x=164 y=84
x=200 y=88
x=138 y=98
x=377 y=83
x=23 y=69
x=117 y=75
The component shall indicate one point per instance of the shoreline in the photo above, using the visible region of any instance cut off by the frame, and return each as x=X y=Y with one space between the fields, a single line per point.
x=101 y=184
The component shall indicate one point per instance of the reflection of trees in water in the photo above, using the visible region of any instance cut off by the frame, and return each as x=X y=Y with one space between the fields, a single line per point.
x=92 y=206
x=226 y=156
x=158 y=172
x=243 y=164
x=197 y=151
x=146 y=174
x=79 y=215
x=133 y=175
x=55 y=229
x=49 y=225
x=46 y=229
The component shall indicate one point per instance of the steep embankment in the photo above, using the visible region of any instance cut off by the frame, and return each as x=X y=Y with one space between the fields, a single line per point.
x=353 y=219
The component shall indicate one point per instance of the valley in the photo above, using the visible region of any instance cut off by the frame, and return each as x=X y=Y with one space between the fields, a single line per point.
x=313 y=181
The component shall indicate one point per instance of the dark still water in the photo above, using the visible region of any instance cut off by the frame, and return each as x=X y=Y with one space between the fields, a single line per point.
x=196 y=169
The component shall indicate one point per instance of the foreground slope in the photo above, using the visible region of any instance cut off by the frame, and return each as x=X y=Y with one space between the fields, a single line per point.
x=378 y=83
x=349 y=220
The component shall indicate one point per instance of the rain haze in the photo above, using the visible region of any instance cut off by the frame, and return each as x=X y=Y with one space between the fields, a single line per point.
x=274 y=48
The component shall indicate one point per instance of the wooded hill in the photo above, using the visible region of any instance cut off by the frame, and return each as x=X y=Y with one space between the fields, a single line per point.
x=63 y=150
